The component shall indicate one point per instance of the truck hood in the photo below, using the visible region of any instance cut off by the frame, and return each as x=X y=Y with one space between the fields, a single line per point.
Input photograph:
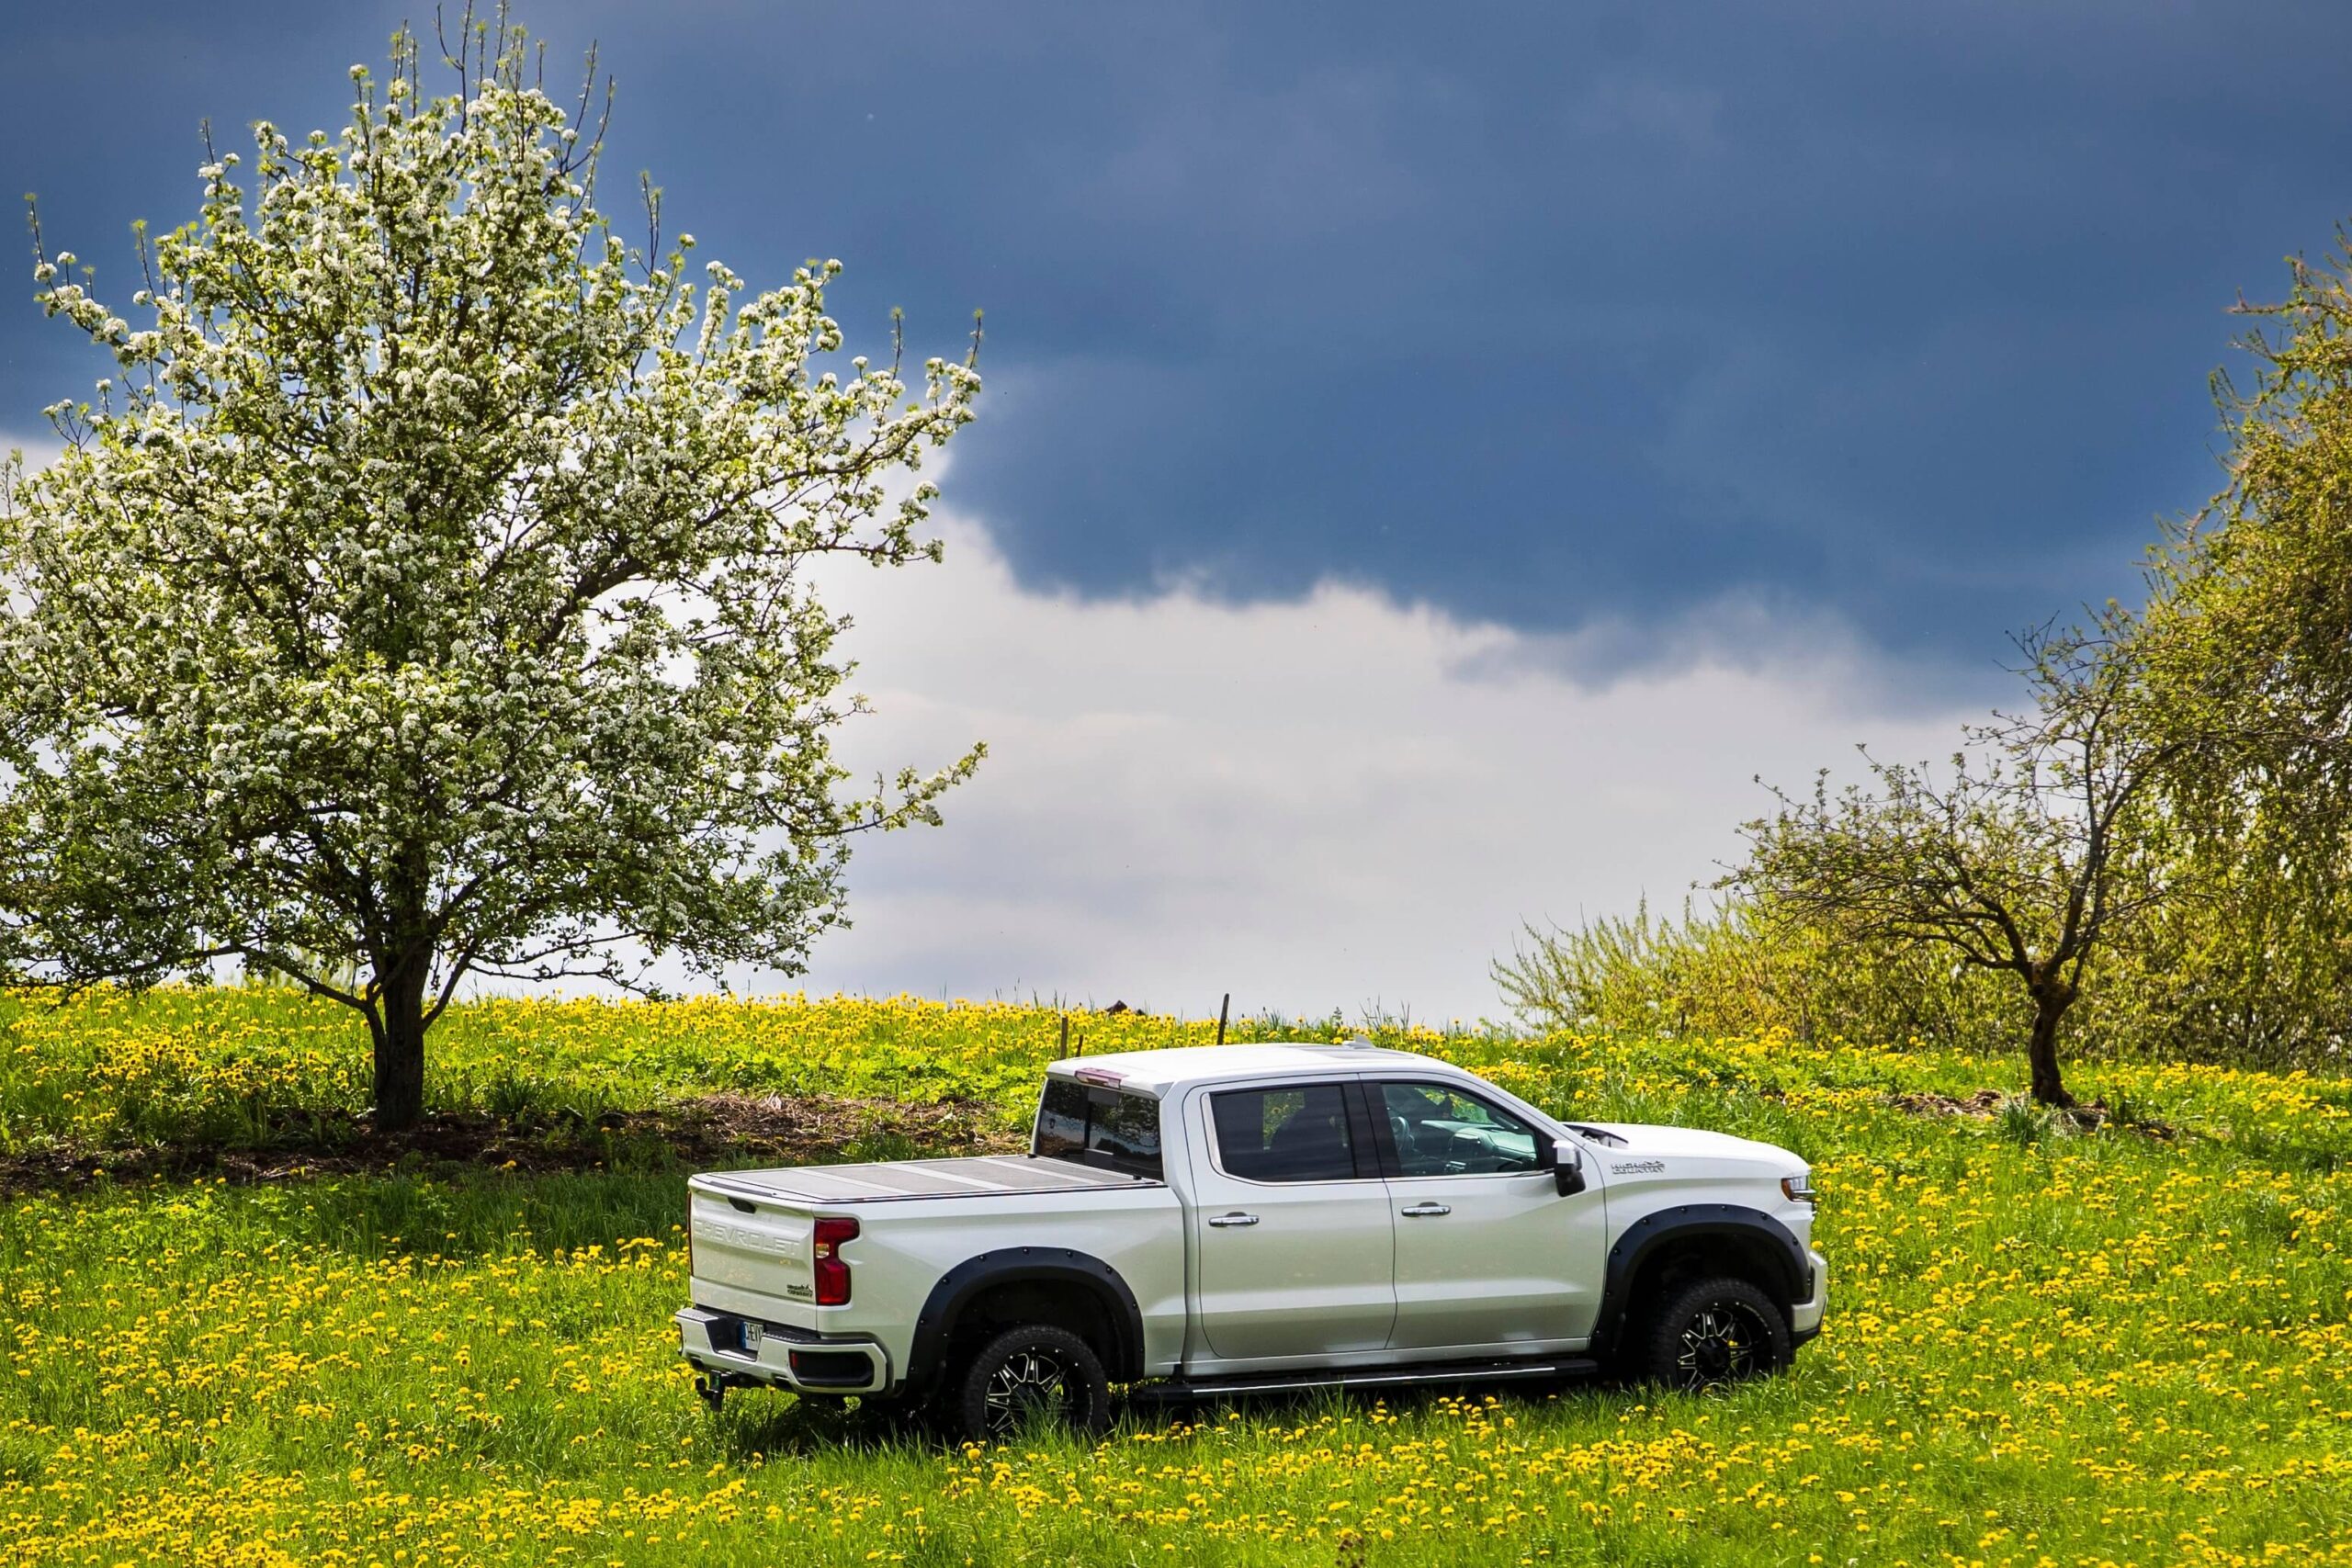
x=1638 y=1140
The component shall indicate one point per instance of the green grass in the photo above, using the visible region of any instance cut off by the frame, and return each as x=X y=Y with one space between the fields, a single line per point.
x=2045 y=1345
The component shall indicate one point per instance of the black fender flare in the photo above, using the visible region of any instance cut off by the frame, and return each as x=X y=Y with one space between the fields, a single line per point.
x=1687 y=1222
x=926 y=1359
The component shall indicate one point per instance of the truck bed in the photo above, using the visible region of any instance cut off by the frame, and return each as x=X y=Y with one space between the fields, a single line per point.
x=993 y=1176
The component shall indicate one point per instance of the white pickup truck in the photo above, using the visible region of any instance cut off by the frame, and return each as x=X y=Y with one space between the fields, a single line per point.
x=1245 y=1218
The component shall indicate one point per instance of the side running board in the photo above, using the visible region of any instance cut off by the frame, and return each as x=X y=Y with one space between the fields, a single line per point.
x=1180 y=1389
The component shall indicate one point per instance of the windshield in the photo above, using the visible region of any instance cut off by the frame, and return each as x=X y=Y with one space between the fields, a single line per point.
x=1105 y=1128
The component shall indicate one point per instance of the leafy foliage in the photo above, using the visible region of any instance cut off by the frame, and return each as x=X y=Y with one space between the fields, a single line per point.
x=2251 y=637
x=1735 y=970
x=2046 y=842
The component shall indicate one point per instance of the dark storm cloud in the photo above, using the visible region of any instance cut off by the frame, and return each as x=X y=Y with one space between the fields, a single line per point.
x=1549 y=314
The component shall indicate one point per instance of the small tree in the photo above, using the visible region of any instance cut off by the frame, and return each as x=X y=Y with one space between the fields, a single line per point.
x=2038 y=849
x=424 y=597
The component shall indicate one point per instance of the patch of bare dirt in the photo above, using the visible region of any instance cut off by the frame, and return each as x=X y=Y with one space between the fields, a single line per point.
x=1987 y=1104
x=1983 y=1103
x=719 y=1129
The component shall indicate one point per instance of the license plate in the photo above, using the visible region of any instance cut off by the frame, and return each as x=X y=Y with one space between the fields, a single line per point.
x=752 y=1335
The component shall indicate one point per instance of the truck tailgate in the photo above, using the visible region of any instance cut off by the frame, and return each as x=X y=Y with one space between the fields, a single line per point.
x=750 y=1246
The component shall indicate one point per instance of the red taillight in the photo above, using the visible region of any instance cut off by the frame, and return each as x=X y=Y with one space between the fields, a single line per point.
x=824 y=1251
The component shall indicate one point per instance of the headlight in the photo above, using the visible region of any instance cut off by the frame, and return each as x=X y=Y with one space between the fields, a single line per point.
x=1799 y=1188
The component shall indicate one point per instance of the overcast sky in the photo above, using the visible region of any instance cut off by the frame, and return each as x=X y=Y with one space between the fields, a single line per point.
x=1433 y=456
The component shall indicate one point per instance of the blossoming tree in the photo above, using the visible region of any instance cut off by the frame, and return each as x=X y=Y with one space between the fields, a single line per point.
x=425 y=596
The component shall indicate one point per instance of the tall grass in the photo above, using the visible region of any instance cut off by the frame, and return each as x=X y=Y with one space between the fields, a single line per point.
x=2049 y=1345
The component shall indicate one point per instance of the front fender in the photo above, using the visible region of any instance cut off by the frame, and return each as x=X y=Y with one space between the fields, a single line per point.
x=1788 y=1270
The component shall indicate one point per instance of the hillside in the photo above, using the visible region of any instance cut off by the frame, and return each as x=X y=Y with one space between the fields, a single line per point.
x=235 y=1334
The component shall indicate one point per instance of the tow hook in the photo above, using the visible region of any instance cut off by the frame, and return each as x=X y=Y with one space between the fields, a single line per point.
x=711 y=1390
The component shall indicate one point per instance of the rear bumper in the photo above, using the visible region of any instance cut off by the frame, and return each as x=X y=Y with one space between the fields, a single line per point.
x=745 y=1350
x=1804 y=1318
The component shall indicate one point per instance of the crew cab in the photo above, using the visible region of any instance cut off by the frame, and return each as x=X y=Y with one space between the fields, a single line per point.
x=1231 y=1219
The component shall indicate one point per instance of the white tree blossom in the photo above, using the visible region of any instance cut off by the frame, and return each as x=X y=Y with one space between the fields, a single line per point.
x=424 y=595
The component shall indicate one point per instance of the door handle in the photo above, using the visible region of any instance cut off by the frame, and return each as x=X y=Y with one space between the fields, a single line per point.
x=1425 y=1211
x=1221 y=1221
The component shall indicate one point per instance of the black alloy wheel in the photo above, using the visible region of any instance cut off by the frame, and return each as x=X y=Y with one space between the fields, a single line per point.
x=1030 y=1374
x=1713 y=1332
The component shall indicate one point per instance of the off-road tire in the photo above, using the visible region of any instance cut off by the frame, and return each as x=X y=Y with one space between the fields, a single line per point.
x=1708 y=1333
x=1032 y=1368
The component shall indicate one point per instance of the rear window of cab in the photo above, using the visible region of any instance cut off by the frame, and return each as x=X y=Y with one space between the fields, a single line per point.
x=1106 y=1128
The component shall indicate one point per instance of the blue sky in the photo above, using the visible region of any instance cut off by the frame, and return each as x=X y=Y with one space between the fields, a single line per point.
x=1820 y=345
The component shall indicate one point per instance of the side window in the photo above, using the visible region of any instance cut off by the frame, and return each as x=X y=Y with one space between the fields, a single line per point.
x=1284 y=1135
x=1439 y=1130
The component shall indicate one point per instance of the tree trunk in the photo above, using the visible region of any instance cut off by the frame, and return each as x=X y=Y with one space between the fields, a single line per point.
x=2049 y=1005
x=399 y=1050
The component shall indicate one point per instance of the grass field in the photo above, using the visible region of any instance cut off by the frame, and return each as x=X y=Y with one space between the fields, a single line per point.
x=2122 y=1346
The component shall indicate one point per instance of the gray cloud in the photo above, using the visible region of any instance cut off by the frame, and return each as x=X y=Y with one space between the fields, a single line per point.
x=1565 y=317
x=1336 y=801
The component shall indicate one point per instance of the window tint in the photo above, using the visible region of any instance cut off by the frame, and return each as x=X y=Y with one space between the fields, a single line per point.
x=1442 y=1132
x=1284 y=1135
x=1101 y=1127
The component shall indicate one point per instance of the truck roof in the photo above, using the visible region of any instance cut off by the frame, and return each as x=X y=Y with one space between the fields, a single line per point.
x=1158 y=1072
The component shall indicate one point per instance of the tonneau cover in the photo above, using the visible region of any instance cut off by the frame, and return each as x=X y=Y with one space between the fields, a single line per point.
x=993 y=1176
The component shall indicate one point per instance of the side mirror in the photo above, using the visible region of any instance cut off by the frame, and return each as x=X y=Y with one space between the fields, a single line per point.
x=1567 y=1165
